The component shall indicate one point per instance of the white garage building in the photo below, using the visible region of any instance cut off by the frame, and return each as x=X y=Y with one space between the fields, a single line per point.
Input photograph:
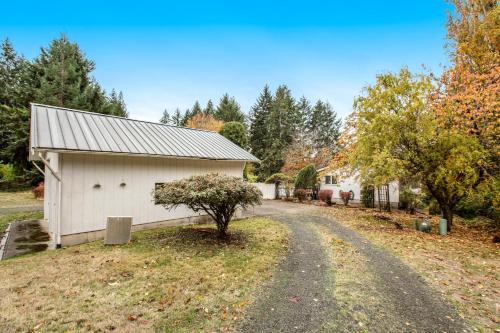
x=98 y=166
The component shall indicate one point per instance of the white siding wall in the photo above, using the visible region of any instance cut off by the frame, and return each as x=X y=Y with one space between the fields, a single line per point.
x=345 y=184
x=351 y=183
x=85 y=208
x=268 y=190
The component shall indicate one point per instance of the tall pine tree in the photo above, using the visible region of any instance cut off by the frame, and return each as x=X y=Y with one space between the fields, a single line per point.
x=209 y=109
x=16 y=79
x=165 y=118
x=304 y=110
x=229 y=110
x=259 y=117
x=185 y=117
x=282 y=128
x=63 y=78
x=59 y=76
x=63 y=75
x=323 y=126
x=116 y=105
x=196 y=109
x=177 y=117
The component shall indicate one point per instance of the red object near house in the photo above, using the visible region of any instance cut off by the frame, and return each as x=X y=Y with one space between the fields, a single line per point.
x=38 y=190
x=324 y=195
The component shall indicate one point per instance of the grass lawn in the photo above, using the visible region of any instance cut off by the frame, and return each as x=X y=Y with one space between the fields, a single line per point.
x=178 y=279
x=7 y=218
x=18 y=199
x=463 y=265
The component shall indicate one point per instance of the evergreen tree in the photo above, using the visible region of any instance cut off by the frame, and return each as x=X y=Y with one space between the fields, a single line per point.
x=177 y=117
x=14 y=134
x=284 y=117
x=259 y=116
x=185 y=117
x=209 y=109
x=16 y=82
x=282 y=123
x=59 y=76
x=63 y=75
x=272 y=162
x=95 y=99
x=304 y=110
x=323 y=126
x=196 y=109
x=116 y=105
x=165 y=118
x=229 y=110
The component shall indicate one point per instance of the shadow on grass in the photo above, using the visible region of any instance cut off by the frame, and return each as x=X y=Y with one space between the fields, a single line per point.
x=188 y=240
x=32 y=247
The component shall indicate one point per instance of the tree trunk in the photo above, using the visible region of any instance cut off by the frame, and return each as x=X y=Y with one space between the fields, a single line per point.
x=222 y=228
x=447 y=212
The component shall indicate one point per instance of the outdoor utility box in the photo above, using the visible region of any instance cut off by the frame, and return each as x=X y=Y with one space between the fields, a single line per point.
x=118 y=230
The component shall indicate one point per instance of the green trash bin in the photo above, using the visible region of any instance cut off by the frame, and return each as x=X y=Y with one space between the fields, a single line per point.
x=443 y=227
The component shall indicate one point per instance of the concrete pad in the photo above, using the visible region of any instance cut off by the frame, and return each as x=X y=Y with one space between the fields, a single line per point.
x=26 y=237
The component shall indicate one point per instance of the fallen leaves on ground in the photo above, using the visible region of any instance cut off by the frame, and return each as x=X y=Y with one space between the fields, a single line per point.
x=463 y=265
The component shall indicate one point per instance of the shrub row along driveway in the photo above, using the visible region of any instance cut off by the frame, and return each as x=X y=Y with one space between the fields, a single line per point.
x=300 y=297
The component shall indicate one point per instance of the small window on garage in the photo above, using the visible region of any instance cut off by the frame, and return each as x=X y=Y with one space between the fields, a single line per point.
x=328 y=180
x=157 y=186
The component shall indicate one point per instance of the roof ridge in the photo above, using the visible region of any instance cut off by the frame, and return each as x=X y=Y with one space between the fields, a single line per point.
x=113 y=116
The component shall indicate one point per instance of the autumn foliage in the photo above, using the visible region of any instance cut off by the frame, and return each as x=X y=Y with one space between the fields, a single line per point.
x=300 y=154
x=469 y=96
x=205 y=121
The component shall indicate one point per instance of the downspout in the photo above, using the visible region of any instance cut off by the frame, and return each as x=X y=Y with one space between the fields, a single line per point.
x=59 y=198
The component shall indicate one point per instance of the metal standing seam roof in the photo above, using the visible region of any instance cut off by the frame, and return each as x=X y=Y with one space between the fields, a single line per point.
x=60 y=129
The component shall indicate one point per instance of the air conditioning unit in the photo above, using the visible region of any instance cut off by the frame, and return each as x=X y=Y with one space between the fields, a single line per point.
x=118 y=230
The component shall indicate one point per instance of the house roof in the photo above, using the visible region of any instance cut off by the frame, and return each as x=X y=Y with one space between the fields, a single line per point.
x=60 y=129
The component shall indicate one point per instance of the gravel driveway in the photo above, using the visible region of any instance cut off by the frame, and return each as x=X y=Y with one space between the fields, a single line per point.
x=299 y=299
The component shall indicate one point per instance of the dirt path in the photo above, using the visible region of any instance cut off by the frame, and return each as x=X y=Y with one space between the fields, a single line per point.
x=296 y=300
x=299 y=298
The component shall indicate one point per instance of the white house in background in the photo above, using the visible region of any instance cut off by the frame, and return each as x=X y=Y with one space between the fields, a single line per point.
x=98 y=166
x=337 y=181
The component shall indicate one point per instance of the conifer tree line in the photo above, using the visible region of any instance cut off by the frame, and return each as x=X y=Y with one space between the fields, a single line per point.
x=61 y=75
x=279 y=126
x=227 y=110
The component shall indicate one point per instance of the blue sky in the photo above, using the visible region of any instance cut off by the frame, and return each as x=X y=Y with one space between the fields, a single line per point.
x=165 y=54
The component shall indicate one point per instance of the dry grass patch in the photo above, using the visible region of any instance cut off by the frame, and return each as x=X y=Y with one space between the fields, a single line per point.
x=180 y=279
x=18 y=199
x=354 y=287
x=463 y=265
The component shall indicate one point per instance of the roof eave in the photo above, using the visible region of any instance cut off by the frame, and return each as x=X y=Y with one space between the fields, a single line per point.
x=112 y=153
